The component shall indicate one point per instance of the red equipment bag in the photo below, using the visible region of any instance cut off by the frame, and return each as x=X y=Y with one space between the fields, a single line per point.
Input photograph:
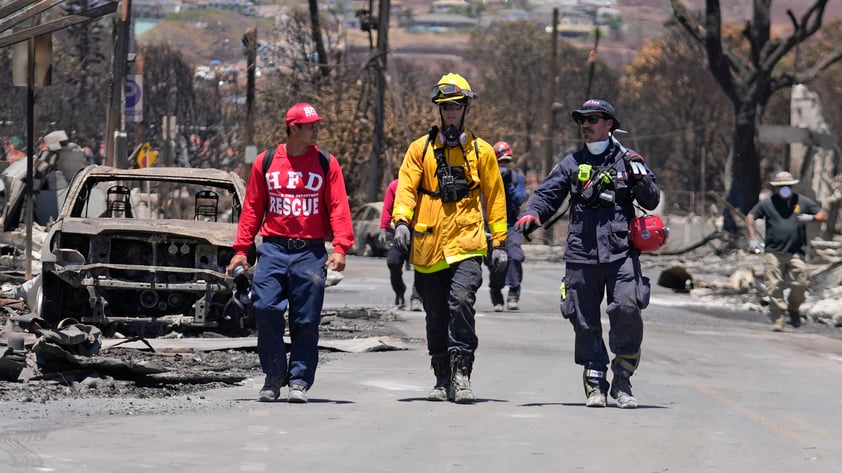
x=648 y=233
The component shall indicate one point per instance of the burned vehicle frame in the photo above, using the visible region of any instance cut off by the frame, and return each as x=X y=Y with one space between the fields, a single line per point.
x=145 y=248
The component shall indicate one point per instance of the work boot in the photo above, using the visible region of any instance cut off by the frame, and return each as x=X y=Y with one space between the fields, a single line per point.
x=795 y=318
x=595 y=387
x=513 y=298
x=399 y=302
x=778 y=325
x=271 y=389
x=461 y=365
x=621 y=391
x=297 y=394
x=441 y=368
x=496 y=299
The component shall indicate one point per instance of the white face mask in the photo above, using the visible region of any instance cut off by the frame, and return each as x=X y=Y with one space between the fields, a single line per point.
x=597 y=147
x=785 y=192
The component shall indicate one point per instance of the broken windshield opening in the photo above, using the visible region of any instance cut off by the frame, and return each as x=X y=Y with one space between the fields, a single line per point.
x=151 y=200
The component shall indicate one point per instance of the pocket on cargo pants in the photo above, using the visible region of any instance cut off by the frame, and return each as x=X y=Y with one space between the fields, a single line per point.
x=568 y=304
x=643 y=291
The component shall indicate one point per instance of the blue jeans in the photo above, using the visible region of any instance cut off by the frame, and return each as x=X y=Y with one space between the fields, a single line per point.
x=293 y=279
x=448 y=297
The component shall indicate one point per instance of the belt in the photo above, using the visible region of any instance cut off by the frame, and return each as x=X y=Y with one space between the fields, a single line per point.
x=294 y=243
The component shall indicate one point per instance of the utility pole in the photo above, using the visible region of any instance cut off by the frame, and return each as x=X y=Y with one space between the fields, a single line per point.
x=550 y=139
x=115 y=135
x=592 y=60
x=250 y=43
x=379 y=108
x=549 y=156
x=30 y=151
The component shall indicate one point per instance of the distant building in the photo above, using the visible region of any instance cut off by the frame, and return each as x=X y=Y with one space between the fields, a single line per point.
x=441 y=22
x=572 y=25
x=447 y=6
x=506 y=15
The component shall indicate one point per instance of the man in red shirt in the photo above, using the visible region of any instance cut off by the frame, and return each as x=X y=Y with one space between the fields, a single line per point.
x=295 y=206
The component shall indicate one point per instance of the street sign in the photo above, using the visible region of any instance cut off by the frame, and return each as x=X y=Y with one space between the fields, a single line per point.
x=43 y=62
x=134 y=98
x=146 y=157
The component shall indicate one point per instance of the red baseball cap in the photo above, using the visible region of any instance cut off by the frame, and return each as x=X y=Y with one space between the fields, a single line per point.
x=301 y=113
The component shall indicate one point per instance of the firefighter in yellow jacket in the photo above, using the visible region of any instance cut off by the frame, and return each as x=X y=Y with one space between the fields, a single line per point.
x=447 y=177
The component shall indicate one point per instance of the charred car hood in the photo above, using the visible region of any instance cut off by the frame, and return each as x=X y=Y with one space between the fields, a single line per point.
x=215 y=233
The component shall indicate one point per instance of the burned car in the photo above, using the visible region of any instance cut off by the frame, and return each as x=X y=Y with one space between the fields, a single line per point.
x=366 y=222
x=144 y=247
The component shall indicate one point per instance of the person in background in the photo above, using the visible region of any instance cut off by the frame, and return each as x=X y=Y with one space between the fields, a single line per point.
x=515 y=185
x=447 y=178
x=786 y=214
x=15 y=150
x=295 y=205
x=604 y=181
x=395 y=259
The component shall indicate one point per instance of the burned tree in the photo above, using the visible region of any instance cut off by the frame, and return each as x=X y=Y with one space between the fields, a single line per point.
x=746 y=72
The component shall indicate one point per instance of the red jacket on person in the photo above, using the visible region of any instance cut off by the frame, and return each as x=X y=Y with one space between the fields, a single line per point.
x=388 y=205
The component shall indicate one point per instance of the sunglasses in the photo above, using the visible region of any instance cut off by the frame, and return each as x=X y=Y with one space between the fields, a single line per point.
x=592 y=119
x=452 y=105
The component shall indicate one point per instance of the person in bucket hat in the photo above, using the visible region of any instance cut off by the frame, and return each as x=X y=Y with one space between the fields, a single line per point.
x=786 y=215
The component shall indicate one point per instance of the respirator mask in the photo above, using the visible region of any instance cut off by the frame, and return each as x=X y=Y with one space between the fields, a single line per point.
x=785 y=192
x=451 y=136
x=597 y=147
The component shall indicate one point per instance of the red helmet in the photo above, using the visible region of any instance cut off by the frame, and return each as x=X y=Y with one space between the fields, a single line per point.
x=648 y=233
x=501 y=148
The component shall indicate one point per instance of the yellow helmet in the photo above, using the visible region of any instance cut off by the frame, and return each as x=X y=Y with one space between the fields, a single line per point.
x=452 y=87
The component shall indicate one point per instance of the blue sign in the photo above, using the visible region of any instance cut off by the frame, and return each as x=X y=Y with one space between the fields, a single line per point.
x=134 y=98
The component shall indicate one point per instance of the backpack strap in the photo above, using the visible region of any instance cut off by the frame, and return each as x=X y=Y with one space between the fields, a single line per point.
x=268 y=156
x=324 y=159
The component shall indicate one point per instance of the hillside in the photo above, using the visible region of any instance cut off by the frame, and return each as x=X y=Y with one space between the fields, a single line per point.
x=205 y=35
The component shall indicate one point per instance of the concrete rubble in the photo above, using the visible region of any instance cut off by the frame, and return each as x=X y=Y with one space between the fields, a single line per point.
x=734 y=278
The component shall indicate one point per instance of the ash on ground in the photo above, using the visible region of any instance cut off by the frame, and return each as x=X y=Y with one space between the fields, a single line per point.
x=116 y=372
x=721 y=283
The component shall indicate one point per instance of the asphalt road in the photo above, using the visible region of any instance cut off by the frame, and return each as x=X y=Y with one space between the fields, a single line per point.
x=717 y=394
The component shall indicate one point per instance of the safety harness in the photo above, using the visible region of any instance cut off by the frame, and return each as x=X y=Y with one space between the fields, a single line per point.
x=453 y=181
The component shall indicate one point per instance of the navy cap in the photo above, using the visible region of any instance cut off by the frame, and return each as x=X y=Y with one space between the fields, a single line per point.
x=592 y=106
